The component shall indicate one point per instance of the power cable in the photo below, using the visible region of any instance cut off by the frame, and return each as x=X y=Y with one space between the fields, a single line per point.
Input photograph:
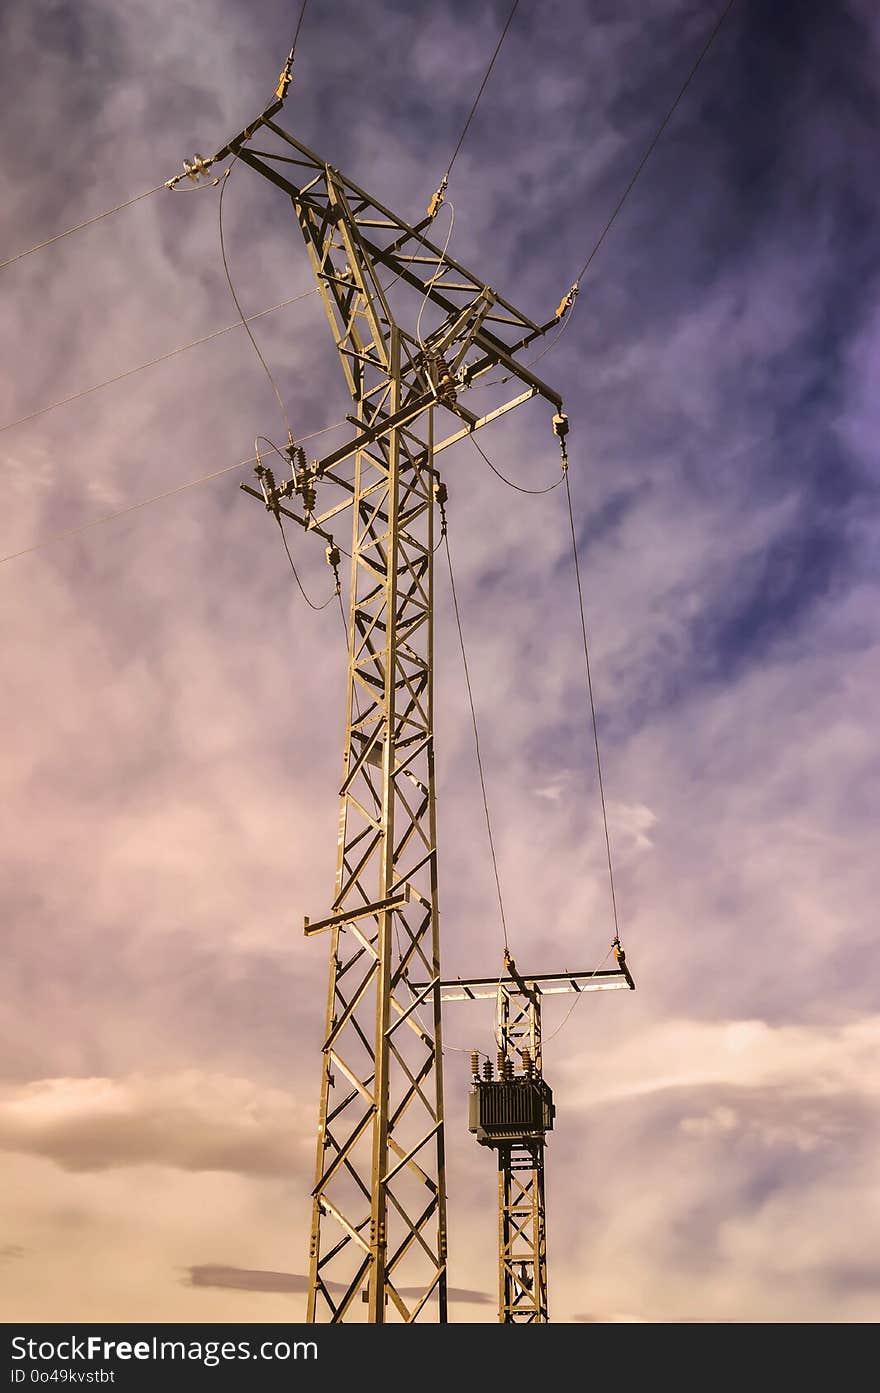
x=309 y=602
x=128 y=203
x=470 y=693
x=108 y=212
x=486 y=77
x=440 y=192
x=631 y=185
x=241 y=313
x=564 y=1021
x=589 y=676
x=79 y=226
x=661 y=128
x=298 y=27
x=121 y=512
x=625 y=195
x=441 y=267
x=577 y=572
x=283 y=84
x=163 y=358
x=509 y=482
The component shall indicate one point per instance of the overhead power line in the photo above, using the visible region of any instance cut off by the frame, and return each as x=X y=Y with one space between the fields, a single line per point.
x=79 y=226
x=245 y=325
x=108 y=212
x=592 y=702
x=509 y=482
x=302 y=11
x=121 y=512
x=163 y=358
x=311 y=604
x=632 y=183
x=440 y=192
x=156 y=498
x=494 y=382
x=660 y=129
x=589 y=676
x=486 y=77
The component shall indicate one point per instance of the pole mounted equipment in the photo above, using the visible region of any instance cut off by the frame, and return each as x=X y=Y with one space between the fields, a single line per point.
x=513 y=1113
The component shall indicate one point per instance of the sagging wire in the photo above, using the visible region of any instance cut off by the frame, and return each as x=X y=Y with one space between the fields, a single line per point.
x=263 y=474
x=561 y=431
x=592 y=703
x=552 y=1036
x=441 y=267
x=266 y=368
x=509 y=482
x=293 y=451
x=309 y=602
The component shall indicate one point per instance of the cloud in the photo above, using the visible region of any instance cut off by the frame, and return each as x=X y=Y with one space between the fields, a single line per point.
x=189 y=1121
x=761 y=1139
x=749 y=1054
x=244 y=1279
x=168 y=794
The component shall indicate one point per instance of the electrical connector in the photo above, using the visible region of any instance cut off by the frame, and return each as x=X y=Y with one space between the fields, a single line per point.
x=567 y=301
x=560 y=430
x=285 y=78
x=439 y=194
x=333 y=557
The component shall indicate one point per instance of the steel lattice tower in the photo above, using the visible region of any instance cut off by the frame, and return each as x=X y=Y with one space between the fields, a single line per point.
x=522 y=1217
x=378 y=1233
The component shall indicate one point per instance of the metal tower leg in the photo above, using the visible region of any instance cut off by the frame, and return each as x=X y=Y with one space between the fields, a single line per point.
x=522 y=1250
x=379 y=1181
x=522 y=1247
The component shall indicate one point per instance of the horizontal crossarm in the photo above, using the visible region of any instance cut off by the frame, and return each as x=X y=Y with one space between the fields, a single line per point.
x=551 y=984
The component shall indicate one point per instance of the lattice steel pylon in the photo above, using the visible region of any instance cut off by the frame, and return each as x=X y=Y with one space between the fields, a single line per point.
x=379 y=1199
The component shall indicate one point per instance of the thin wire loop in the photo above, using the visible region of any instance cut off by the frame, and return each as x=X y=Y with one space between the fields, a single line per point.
x=509 y=482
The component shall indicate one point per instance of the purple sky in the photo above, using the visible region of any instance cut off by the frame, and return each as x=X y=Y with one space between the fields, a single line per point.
x=174 y=713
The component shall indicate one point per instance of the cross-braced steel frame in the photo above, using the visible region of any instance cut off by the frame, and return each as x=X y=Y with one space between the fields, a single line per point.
x=522 y=1215
x=522 y=1220
x=378 y=1235
x=522 y=1234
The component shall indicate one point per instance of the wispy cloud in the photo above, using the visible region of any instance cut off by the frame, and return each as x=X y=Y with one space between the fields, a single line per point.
x=191 y=1121
x=173 y=714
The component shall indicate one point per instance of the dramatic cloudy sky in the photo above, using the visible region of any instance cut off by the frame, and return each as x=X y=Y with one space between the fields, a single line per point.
x=173 y=713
